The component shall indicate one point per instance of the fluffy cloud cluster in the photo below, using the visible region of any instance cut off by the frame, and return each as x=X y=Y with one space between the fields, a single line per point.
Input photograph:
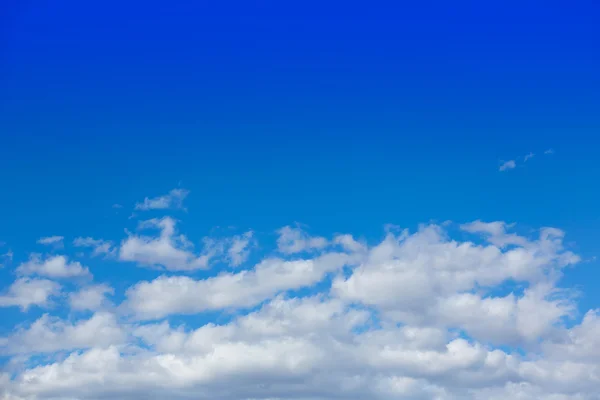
x=419 y=315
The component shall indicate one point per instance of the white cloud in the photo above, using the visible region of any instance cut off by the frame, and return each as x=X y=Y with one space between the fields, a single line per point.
x=549 y=152
x=53 y=267
x=239 y=248
x=49 y=334
x=528 y=156
x=425 y=278
x=51 y=240
x=349 y=243
x=295 y=240
x=507 y=165
x=298 y=349
x=99 y=247
x=168 y=250
x=495 y=233
x=26 y=292
x=418 y=315
x=183 y=295
x=172 y=200
x=91 y=298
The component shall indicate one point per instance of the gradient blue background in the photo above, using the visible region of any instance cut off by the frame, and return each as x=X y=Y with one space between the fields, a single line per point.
x=343 y=116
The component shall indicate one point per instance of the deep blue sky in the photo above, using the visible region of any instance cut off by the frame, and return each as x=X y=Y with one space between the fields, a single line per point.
x=341 y=116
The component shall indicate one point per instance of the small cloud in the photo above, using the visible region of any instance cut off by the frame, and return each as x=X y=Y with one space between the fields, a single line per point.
x=549 y=152
x=6 y=258
x=239 y=249
x=99 y=246
x=528 y=157
x=508 y=165
x=52 y=267
x=117 y=206
x=170 y=250
x=51 y=241
x=295 y=240
x=172 y=200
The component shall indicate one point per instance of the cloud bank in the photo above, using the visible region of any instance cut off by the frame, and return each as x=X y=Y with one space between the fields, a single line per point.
x=473 y=311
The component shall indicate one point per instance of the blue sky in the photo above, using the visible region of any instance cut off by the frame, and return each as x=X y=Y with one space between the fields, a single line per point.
x=331 y=119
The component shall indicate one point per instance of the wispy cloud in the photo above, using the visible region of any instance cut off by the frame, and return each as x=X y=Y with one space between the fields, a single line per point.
x=99 y=246
x=172 y=200
x=239 y=249
x=6 y=258
x=508 y=165
x=52 y=241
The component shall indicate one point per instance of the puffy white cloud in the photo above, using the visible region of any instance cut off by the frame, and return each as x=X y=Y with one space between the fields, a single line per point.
x=168 y=250
x=51 y=240
x=53 y=267
x=180 y=294
x=419 y=316
x=296 y=348
x=26 y=292
x=99 y=247
x=295 y=240
x=580 y=343
x=426 y=278
x=172 y=200
x=509 y=320
x=48 y=335
x=90 y=298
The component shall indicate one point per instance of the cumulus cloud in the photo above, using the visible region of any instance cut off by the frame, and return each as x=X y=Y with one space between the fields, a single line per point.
x=505 y=166
x=168 y=250
x=53 y=267
x=27 y=292
x=245 y=289
x=50 y=334
x=419 y=315
x=425 y=278
x=172 y=200
x=91 y=298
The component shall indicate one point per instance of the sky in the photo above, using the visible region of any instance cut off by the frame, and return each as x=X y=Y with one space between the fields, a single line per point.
x=267 y=200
